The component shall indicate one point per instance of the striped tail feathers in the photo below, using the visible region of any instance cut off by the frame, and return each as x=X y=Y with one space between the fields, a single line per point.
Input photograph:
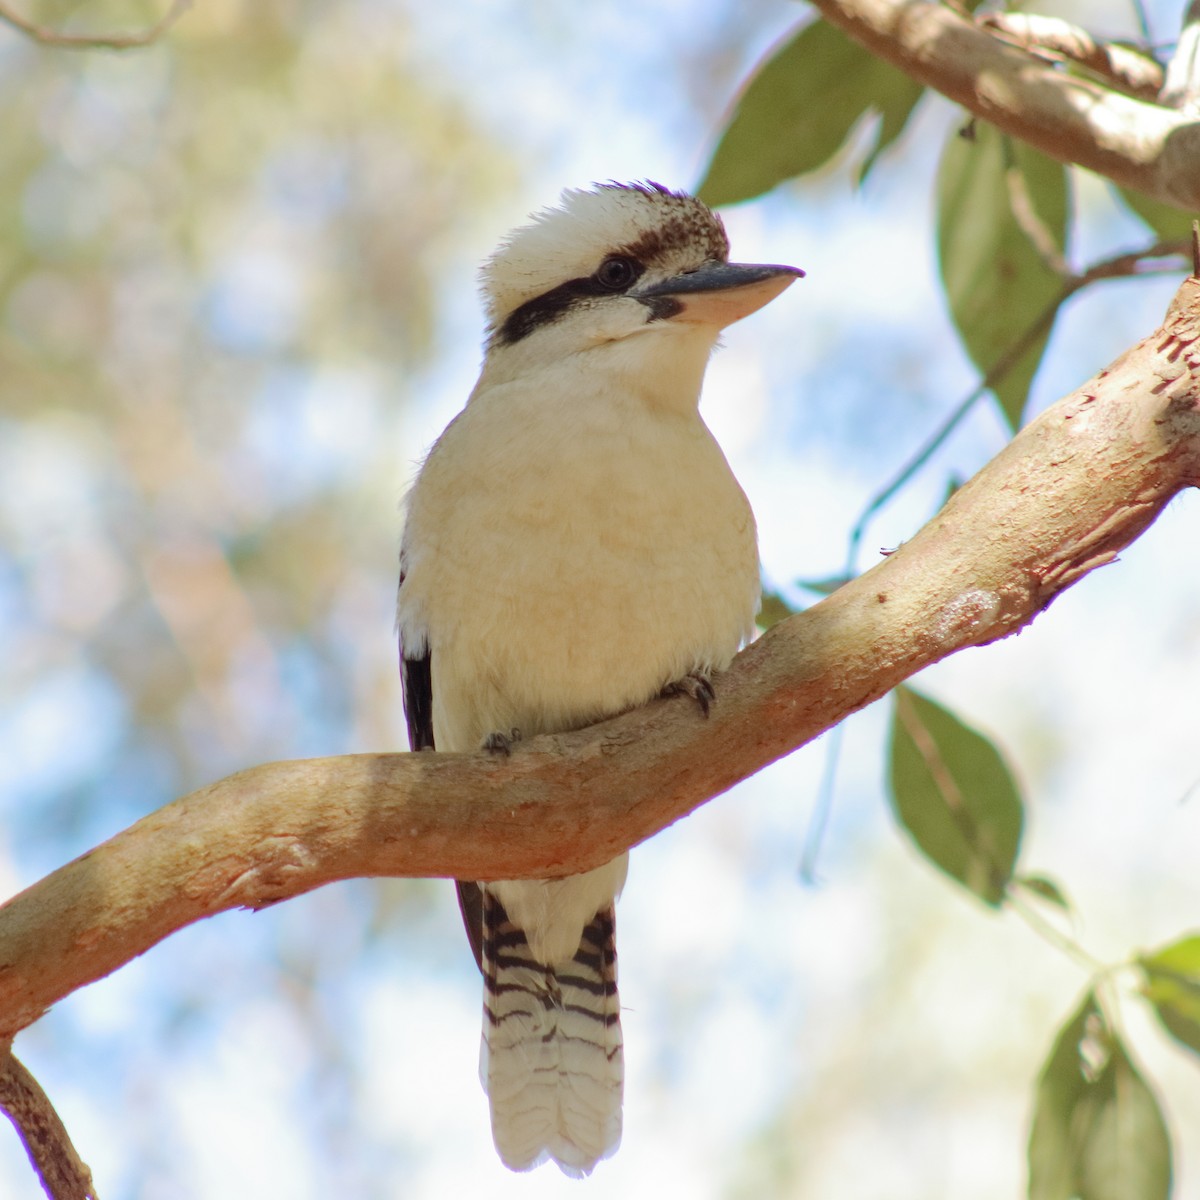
x=551 y=1058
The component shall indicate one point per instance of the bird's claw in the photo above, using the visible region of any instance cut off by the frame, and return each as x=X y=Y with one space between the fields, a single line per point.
x=501 y=743
x=698 y=686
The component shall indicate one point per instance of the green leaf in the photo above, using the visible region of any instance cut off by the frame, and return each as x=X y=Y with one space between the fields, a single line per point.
x=1059 y=1129
x=1167 y=223
x=952 y=791
x=1173 y=987
x=894 y=104
x=798 y=109
x=1127 y=1154
x=1045 y=889
x=772 y=609
x=991 y=192
x=1098 y=1130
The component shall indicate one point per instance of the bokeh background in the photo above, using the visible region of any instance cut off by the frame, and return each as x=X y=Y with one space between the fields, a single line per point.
x=237 y=303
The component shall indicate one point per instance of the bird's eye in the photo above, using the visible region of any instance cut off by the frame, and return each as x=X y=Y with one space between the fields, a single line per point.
x=617 y=272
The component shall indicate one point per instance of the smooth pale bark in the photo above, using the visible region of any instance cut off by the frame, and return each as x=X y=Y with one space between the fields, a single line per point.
x=1065 y=496
x=1135 y=143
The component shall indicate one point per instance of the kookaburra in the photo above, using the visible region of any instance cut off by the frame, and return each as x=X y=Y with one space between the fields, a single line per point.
x=576 y=545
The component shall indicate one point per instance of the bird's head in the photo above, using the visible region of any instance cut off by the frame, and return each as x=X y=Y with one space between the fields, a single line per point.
x=614 y=263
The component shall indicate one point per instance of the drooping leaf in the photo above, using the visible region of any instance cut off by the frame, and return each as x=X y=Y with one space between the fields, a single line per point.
x=894 y=104
x=1045 y=889
x=1098 y=1130
x=1128 y=1149
x=993 y=193
x=953 y=793
x=798 y=109
x=1173 y=987
x=1169 y=224
x=1060 y=1127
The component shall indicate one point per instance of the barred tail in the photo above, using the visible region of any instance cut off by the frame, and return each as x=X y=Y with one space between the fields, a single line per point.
x=551 y=1059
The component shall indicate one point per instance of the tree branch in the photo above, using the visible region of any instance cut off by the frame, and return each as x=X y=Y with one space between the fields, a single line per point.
x=63 y=1174
x=1065 y=496
x=1054 y=38
x=94 y=41
x=1136 y=144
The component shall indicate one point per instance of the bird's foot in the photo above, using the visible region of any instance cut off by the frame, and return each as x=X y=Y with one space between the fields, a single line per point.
x=501 y=743
x=697 y=685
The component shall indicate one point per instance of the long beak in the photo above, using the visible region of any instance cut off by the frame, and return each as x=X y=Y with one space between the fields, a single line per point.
x=719 y=293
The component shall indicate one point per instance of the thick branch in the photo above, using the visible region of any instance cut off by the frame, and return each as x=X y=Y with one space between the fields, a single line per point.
x=1136 y=144
x=1072 y=489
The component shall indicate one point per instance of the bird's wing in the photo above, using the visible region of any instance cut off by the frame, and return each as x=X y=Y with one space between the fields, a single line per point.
x=416 y=687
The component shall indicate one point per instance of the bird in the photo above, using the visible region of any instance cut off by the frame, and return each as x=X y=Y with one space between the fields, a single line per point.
x=575 y=544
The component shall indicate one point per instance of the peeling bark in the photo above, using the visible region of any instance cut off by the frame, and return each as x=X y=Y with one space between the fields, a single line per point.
x=1138 y=144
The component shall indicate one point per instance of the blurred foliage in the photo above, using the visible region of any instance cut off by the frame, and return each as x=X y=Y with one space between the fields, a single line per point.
x=1167 y=223
x=217 y=265
x=1098 y=1131
x=218 y=280
x=1046 y=890
x=1002 y=231
x=954 y=795
x=800 y=107
x=1004 y=223
x=1173 y=987
x=1004 y=216
x=773 y=608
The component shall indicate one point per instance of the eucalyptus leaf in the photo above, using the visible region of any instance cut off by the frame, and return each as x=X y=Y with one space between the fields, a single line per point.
x=1098 y=1130
x=1045 y=889
x=1173 y=987
x=1167 y=223
x=951 y=790
x=952 y=486
x=993 y=195
x=772 y=609
x=1127 y=1152
x=798 y=109
x=1061 y=1110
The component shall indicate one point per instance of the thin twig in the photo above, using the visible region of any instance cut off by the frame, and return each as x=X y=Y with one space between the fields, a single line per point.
x=1003 y=365
x=814 y=835
x=1125 y=266
x=1121 y=266
x=1139 y=11
x=45 y=36
x=63 y=1174
x=1049 y=932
